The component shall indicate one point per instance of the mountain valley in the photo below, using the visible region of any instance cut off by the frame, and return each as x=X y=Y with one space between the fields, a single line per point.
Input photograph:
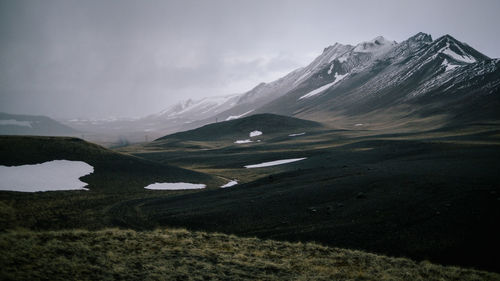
x=385 y=147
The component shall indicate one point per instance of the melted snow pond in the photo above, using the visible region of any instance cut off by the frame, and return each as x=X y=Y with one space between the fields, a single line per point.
x=174 y=186
x=274 y=163
x=47 y=176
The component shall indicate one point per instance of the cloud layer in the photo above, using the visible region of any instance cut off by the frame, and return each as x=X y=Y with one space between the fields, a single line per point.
x=131 y=58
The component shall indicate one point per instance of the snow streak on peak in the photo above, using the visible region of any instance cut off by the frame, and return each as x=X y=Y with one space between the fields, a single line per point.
x=455 y=52
x=338 y=78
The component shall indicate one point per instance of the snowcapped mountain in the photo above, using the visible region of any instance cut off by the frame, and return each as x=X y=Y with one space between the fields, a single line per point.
x=172 y=119
x=377 y=83
x=380 y=80
x=192 y=110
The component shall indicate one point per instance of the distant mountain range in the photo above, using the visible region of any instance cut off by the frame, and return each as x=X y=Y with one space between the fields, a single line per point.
x=13 y=124
x=375 y=84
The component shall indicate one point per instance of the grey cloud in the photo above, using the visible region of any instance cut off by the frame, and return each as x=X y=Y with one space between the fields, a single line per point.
x=98 y=58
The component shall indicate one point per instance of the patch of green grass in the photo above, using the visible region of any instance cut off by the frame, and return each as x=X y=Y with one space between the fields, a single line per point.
x=177 y=254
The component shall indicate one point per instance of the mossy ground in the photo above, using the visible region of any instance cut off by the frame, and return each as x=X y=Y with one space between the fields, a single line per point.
x=178 y=254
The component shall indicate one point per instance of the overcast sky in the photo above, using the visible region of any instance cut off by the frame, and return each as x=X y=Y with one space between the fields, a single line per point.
x=103 y=58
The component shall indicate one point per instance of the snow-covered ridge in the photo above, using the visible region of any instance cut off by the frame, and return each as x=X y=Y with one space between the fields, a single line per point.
x=330 y=54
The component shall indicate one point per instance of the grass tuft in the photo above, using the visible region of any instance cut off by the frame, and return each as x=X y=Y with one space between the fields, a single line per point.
x=178 y=254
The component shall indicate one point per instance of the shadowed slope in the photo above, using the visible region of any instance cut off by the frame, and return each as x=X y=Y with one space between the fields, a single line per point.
x=112 y=170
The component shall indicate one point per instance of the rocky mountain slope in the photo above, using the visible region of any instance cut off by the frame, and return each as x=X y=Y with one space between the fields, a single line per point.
x=413 y=79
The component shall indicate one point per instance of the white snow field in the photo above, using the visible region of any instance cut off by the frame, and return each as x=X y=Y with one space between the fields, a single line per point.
x=231 y=183
x=255 y=133
x=47 y=176
x=174 y=186
x=274 y=163
x=243 y=141
x=297 y=134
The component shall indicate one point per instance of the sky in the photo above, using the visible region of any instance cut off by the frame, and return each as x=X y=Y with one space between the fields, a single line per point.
x=131 y=58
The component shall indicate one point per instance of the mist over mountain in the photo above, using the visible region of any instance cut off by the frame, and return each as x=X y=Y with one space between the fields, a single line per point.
x=14 y=124
x=377 y=83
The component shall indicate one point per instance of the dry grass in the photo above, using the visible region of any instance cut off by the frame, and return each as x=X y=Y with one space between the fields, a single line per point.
x=176 y=254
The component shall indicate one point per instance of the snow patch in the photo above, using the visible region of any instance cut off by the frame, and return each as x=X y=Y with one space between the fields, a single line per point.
x=255 y=133
x=359 y=124
x=231 y=183
x=16 y=123
x=330 y=70
x=47 y=176
x=274 y=163
x=463 y=58
x=342 y=59
x=448 y=65
x=243 y=141
x=174 y=186
x=323 y=88
x=238 y=116
x=297 y=134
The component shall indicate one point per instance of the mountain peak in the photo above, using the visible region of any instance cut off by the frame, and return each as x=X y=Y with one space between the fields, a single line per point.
x=447 y=38
x=335 y=46
x=376 y=44
x=421 y=37
x=381 y=40
x=457 y=50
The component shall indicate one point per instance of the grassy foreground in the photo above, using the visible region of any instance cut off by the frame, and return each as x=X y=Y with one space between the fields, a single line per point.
x=176 y=254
